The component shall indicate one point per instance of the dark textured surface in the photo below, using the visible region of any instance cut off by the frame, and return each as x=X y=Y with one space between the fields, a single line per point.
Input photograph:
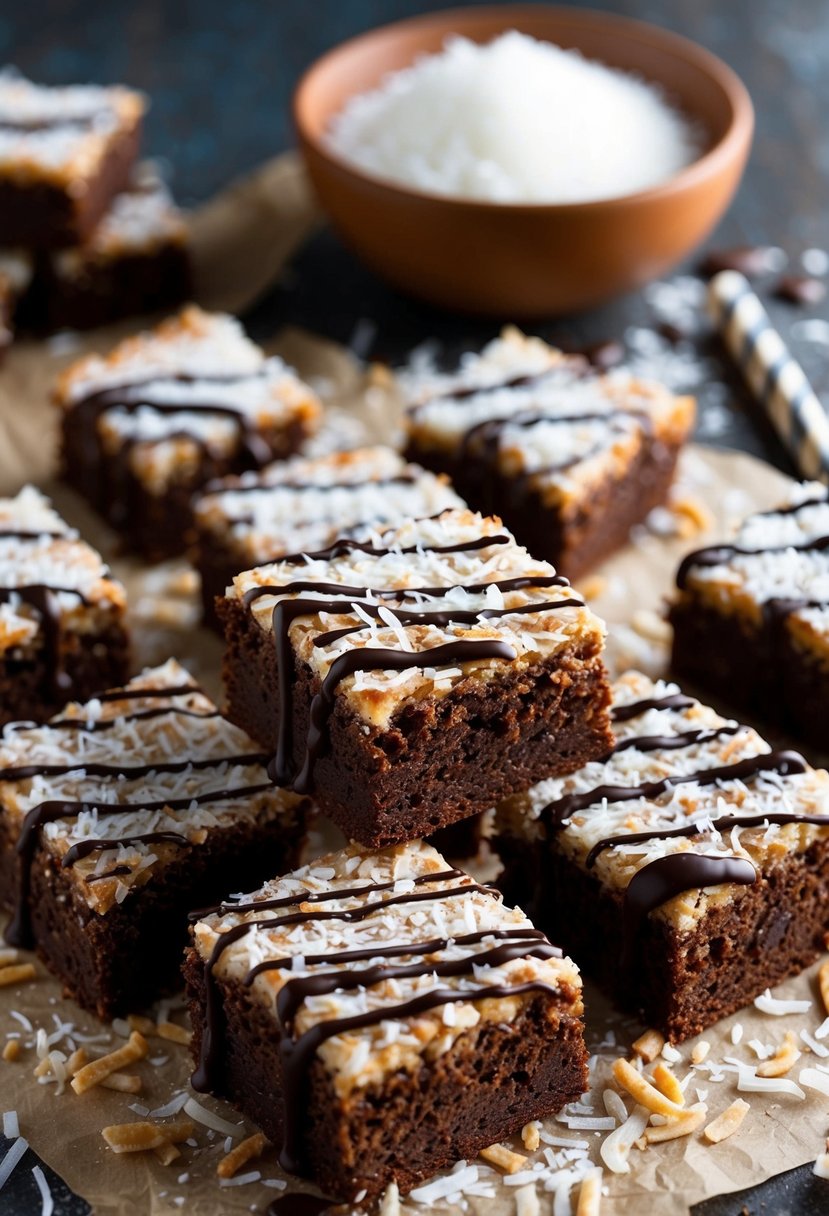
x=220 y=76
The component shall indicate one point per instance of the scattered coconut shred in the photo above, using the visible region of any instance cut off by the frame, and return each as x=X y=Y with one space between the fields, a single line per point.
x=515 y=121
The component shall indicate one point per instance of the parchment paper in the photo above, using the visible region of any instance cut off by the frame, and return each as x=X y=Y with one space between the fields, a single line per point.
x=241 y=240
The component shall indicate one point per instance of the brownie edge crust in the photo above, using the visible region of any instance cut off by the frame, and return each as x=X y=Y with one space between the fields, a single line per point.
x=440 y=760
x=415 y=1124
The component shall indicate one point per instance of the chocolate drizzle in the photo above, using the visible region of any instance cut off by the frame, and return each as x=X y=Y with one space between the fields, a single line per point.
x=41 y=598
x=783 y=762
x=667 y=877
x=624 y=713
x=297 y=1054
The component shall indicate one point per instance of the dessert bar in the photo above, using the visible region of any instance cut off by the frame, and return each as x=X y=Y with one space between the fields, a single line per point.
x=570 y=459
x=751 y=617
x=687 y=871
x=301 y=505
x=64 y=155
x=167 y=411
x=411 y=678
x=121 y=815
x=382 y=1016
x=136 y=261
x=63 y=630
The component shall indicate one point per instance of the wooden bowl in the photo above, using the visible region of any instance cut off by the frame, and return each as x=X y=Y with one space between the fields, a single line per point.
x=526 y=260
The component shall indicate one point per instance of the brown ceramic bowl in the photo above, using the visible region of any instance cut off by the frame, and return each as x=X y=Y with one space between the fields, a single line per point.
x=526 y=260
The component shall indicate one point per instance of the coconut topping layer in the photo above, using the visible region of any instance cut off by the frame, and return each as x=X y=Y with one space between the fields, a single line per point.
x=140 y=220
x=534 y=412
x=196 y=378
x=415 y=608
x=59 y=133
x=303 y=505
x=376 y=962
x=681 y=780
x=778 y=559
x=135 y=777
x=47 y=574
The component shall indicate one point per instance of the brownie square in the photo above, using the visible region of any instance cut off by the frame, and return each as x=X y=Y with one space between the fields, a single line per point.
x=120 y=816
x=15 y=277
x=751 y=617
x=301 y=505
x=169 y=410
x=687 y=872
x=135 y=261
x=382 y=1016
x=570 y=459
x=63 y=630
x=413 y=678
x=64 y=154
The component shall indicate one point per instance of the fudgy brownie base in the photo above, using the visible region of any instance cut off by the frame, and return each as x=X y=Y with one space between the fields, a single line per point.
x=756 y=669
x=492 y=1081
x=678 y=983
x=157 y=526
x=105 y=290
x=44 y=215
x=576 y=540
x=122 y=961
x=29 y=690
x=441 y=759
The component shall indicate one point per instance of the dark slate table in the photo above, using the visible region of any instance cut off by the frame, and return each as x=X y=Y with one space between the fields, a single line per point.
x=220 y=76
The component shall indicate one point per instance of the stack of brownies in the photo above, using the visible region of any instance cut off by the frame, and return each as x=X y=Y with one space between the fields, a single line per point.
x=88 y=234
x=402 y=664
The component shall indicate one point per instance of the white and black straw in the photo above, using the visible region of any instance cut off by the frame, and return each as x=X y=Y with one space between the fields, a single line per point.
x=772 y=373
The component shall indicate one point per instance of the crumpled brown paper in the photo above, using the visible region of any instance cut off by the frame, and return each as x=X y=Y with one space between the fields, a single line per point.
x=241 y=241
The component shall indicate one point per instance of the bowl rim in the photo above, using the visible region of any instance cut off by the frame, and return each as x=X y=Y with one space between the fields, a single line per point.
x=735 y=138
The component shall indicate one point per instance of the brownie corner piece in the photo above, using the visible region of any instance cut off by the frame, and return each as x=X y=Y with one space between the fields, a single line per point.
x=119 y=816
x=373 y=1035
x=412 y=679
x=686 y=872
x=167 y=411
x=63 y=630
x=65 y=152
x=750 y=616
x=572 y=459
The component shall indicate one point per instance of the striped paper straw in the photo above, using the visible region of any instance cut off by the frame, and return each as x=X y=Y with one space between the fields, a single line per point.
x=772 y=373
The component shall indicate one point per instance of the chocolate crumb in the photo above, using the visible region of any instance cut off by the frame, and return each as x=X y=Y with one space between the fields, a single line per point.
x=800 y=289
x=750 y=260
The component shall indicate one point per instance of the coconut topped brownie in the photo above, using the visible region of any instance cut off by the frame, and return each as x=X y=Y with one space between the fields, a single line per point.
x=412 y=677
x=128 y=811
x=686 y=869
x=64 y=153
x=301 y=505
x=62 y=615
x=570 y=458
x=751 y=617
x=388 y=981
x=168 y=410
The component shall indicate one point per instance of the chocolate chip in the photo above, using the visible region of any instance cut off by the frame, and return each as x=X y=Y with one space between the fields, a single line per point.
x=800 y=289
x=750 y=260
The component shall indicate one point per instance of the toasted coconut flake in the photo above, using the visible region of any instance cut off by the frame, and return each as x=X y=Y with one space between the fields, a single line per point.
x=145 y=1026
x=782 y=1060
x=590 y=1193
x=12 y=1050
x=174 y=1033
x=616 y=1147
x=76 y=1061
x=141 y=1137
x=503 y=1158
x=166 y=1153
x=123 y=1082
x=823 y=981
x=682 y=1125
x=642 y=1091
x=727 y=1123
x=648 y=1046
x=245 y=1151
x=530 y=1137
x=17 y=973
x=93 y=1073
x=667 y=1084
x=8 y=955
